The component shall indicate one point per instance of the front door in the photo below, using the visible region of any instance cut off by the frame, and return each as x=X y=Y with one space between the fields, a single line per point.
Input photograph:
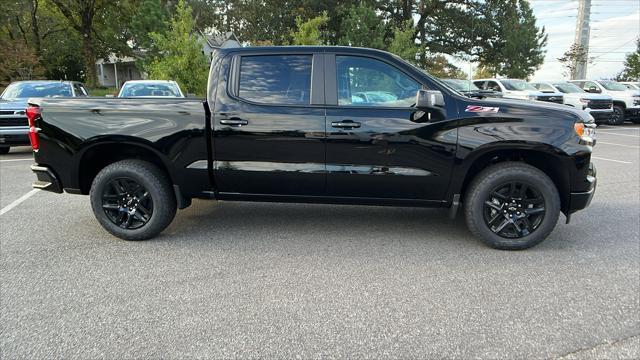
x=378 y=144
x=269 y=126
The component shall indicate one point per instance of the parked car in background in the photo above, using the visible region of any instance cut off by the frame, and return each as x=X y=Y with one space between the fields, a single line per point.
x=600 y=106
x=631 y=85
x=14 y=128
x=517 y=89
x=626 y=103
x=267 y=132
x=151 y=89
x=468 y=88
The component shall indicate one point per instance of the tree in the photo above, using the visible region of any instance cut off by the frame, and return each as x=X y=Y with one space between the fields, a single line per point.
x=404 y=43
x=23 y=63
x=361 y=26
x=440 y=67
x=631 y=70
x=570 y=59
x=308 y=32
x=150 y=16
x=512 y=45
x=181 y=58
x=99 y=23
x=482 y=72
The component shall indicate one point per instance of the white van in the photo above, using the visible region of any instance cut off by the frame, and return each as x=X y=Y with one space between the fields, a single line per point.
x=626 y=103
x=600 y=106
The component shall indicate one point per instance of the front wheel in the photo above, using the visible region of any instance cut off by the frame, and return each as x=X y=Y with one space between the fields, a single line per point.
x=617 y=117
x=4 y=150
x=132 y=199
x=512 y=206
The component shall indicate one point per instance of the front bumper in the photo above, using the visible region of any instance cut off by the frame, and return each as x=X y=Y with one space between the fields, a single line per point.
x=601 y=114
x=580 y=200
x=47 y=179
x=14 y=135
x=632 y=113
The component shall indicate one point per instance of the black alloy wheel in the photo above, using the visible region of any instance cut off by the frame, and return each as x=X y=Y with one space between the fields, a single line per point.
x=617 y=116
x=514 y=210
x=127 y=203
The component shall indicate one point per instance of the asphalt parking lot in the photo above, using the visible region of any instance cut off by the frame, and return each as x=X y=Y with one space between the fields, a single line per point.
x=309 y=281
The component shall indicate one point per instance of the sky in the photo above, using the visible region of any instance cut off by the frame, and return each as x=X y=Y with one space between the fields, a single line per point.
x=615 y=25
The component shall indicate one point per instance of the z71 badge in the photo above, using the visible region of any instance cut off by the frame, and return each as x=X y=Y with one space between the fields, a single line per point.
x=481 y=109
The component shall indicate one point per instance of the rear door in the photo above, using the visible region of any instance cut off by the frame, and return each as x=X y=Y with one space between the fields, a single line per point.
x=269 y=125
x=378 y=144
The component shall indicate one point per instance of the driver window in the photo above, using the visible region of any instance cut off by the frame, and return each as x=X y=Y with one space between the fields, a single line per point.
x=368 y=82
x=492 y=85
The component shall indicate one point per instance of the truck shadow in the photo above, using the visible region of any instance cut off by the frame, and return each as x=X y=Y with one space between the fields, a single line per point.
x=224 y=222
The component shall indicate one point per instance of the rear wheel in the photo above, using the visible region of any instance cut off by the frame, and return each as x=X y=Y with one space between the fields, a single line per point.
x=512 y=206
x=4 y=150
x=617 y=117
x=132 y=199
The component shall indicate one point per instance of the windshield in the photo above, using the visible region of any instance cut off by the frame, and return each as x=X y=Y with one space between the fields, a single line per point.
x=517 y=85
x=613 y=86
x=150 y=89
x=461 y=85
x=28 y=89
x=568 y=88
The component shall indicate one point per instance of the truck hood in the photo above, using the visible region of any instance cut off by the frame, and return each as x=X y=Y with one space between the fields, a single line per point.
x=13 y=104
x=533 y=109
x=589 y=96
x=624 y=94
x=524 y=92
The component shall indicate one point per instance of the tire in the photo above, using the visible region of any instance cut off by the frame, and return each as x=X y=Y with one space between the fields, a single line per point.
x=617 y=118
x=4 y=150
x=487 y=206
x=125 y=210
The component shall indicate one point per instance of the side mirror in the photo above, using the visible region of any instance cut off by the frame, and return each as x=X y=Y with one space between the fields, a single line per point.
x=593 y=89
x=429 y=99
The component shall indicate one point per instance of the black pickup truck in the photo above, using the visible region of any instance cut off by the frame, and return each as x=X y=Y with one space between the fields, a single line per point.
x=319 y=125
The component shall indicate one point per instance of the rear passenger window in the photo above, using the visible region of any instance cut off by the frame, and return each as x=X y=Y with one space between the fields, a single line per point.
x=276 y=79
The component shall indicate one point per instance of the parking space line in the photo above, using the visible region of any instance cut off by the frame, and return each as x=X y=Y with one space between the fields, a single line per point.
x=17 y=202
x=617 y=128
x=629 y=146
x=618 y=161
x=612 y=133
x=8 y=160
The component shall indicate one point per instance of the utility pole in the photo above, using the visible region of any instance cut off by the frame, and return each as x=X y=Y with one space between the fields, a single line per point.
x=583 y=30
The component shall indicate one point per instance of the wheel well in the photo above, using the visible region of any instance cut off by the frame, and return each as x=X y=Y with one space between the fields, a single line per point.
x=620 y=103
x=547 y=163
x=100 y=156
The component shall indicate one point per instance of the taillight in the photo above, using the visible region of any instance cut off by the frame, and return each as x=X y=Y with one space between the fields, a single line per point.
x=33 y=112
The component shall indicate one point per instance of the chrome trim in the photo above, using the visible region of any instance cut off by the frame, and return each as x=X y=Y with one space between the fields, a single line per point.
x=269 y=166
x=198 y=164
x=14 y=130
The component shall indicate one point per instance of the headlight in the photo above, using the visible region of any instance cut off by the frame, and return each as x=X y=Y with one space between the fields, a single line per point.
x=636 y=100
x=586 y=133
x=584 y=101
x=532 y=97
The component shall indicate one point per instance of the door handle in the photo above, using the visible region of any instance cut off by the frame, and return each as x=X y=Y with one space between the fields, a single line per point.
x=345 y=124
x=234 y=122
